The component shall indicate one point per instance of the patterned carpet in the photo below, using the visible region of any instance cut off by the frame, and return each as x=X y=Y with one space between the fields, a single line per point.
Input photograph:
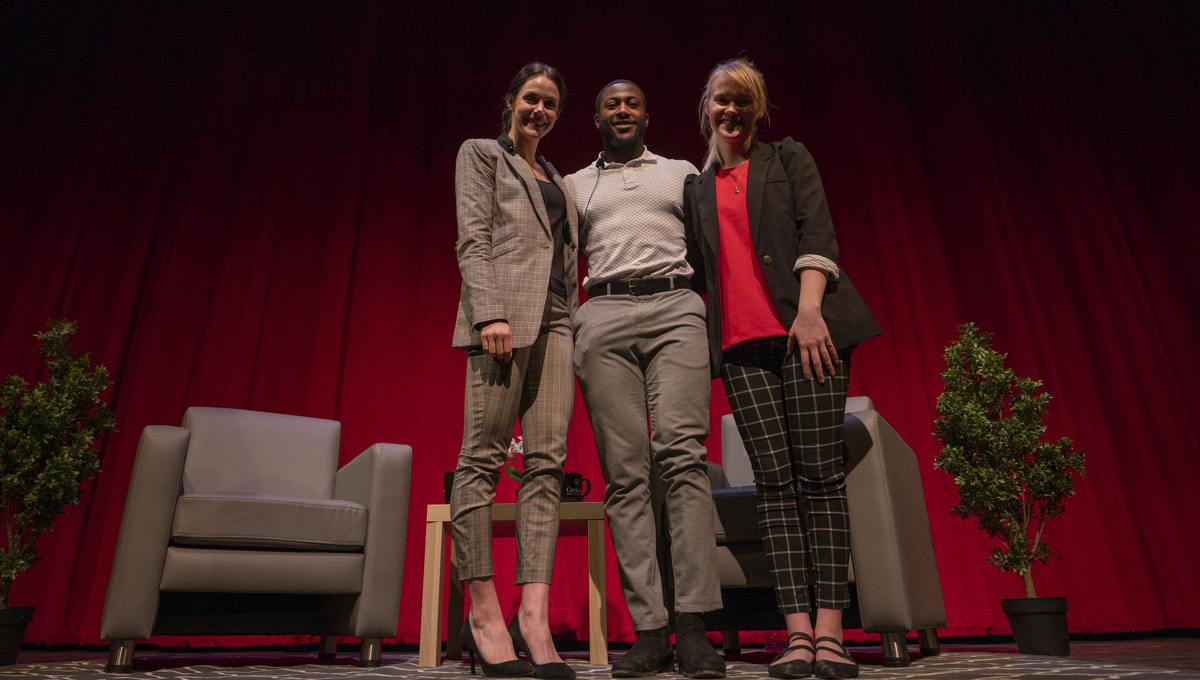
x=956 y=665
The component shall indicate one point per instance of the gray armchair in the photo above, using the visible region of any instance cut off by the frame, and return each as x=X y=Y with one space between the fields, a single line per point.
x=240 y=523
x=893 y=572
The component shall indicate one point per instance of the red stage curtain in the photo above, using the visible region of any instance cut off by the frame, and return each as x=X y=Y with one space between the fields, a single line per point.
x=251 y=205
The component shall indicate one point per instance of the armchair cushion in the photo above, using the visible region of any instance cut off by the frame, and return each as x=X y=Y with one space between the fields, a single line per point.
x=258 y=521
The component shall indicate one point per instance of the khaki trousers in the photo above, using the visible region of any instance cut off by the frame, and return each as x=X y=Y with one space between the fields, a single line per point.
x=642 y=363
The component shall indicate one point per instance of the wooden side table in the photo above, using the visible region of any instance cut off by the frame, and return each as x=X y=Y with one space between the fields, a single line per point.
x=575 y=519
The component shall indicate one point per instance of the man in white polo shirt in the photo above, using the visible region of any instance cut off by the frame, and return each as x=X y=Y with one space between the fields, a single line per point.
x=641 y=354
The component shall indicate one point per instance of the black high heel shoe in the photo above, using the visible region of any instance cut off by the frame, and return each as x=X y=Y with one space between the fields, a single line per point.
x=505 y=669
x=554 y=670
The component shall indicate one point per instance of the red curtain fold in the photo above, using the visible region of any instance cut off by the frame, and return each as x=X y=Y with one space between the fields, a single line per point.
x=252 y=206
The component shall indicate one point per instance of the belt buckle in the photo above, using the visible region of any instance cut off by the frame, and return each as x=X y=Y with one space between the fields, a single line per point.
x=632 y=290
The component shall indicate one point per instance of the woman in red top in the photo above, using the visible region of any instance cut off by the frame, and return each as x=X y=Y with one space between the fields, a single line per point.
x=783 y=319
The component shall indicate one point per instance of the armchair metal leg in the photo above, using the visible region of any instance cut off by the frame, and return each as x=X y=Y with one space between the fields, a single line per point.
x=929 y=642
x=120 y=656
x=895 y=649
x=372 y=649
x=327 y=648
x=730 y=641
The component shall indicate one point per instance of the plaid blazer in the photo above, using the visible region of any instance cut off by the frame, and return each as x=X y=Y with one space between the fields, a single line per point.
x=504 y=242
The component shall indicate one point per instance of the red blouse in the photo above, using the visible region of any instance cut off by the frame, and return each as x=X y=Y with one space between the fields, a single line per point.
x=747 y=311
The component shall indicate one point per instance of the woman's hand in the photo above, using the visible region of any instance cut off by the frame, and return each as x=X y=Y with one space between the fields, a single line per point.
x=497 y=340
x=810 y=337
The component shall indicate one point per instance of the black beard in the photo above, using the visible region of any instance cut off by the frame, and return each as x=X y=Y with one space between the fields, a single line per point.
x=617 y=143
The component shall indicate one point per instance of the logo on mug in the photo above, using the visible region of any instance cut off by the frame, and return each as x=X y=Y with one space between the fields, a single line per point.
x=575 y=487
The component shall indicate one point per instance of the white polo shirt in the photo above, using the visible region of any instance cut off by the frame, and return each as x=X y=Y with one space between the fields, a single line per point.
x=631 y=218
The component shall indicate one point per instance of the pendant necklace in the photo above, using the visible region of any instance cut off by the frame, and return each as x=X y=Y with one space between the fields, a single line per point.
x=737 y=186
x=532 y=168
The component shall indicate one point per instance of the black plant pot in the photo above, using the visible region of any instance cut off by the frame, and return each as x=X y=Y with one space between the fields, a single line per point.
x=13 y=621
x=1039 y=624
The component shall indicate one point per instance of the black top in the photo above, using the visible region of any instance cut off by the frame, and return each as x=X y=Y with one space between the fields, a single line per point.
x=556 y=208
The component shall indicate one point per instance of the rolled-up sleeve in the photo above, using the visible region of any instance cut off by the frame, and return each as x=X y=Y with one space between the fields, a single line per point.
x=824 y=264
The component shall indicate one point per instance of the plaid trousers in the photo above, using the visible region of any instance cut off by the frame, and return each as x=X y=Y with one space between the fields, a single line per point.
x=792 y=430
x=538 y=387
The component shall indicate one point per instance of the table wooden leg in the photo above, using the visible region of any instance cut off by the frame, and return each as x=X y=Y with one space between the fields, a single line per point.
x=432 y=616
x=597 y=615
x=454 y=613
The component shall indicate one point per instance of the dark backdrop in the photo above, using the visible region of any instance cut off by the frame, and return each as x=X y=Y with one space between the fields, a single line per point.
x=251 y=205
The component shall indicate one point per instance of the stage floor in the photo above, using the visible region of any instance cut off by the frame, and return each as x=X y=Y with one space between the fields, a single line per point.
x=1144 y=659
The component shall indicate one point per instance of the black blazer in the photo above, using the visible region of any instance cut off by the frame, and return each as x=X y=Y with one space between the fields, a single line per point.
x=789 y=217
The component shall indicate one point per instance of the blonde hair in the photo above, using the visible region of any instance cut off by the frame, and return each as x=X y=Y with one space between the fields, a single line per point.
x=745 y=75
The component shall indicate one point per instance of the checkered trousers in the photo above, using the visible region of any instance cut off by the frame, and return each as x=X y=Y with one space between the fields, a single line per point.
x=792 y=430
x=537 y=387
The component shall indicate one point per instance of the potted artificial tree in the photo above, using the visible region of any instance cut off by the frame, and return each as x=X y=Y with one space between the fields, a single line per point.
x=47 y=435
x=1010 y=480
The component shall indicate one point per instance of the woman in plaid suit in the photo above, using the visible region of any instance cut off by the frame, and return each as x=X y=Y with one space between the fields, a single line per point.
x=783 y=319
x=517 y=253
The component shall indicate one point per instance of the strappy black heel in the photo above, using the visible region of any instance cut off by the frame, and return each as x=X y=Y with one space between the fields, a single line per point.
x=835 y=669
x=797 y=668
x=505 y=669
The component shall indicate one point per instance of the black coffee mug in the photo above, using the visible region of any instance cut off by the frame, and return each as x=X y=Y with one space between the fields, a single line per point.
x=575 y=487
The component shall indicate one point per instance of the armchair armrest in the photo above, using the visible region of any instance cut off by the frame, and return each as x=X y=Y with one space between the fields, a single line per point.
x=379 y=479
x=132 y=602
x=894 y=564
